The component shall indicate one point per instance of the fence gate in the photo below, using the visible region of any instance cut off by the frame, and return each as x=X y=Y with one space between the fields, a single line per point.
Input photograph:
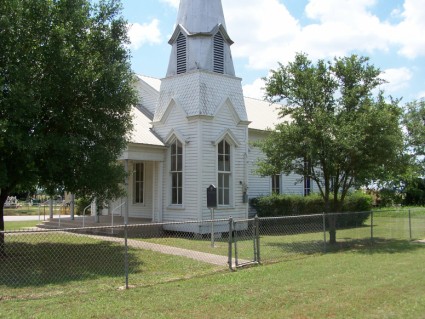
x=245 y=240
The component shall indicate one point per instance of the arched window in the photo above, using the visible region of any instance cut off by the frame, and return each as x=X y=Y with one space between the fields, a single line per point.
x=218 y=53
x=224 y=173
x=181 y=54
x=176 y=170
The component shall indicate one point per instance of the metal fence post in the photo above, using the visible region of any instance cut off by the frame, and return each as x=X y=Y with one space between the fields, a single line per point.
x=410 y=225
x=371 y=227
x=126 y=255
x=235 y=240
x=324 y=232
x=257 y=239
x=230 y=243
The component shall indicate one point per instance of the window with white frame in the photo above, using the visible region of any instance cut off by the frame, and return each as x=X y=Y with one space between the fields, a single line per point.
x=307 y=185
x=139 y=179
x=224 y=173
x=176 y=172
x=276 y=184
x=307 y=179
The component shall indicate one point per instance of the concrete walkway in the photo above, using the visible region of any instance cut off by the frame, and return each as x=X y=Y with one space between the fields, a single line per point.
x=171 y=250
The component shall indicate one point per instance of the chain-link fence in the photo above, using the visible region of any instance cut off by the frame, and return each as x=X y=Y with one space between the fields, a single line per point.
x=148 y=254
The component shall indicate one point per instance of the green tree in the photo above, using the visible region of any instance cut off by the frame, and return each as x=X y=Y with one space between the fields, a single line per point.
x=333 y=129
x=66 y=90
x=414 y=121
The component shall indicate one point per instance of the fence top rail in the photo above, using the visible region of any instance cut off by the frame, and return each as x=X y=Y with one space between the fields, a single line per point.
x=312 y=215
x=400 y=210
x=290 y=217
x=39 y=230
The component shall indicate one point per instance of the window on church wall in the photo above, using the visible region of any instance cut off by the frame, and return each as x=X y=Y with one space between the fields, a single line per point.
x=307 y=179
x=276 y=184
x=218 y=53
x=224 y=173
x=181 y=54
x=307 y=186
x=177 y=173
x=139 y=179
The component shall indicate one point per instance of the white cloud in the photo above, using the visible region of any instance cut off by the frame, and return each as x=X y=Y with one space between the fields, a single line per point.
x=421 y=95
x=398 y=79
x=410 y=32
x=173 y=3
x=255 y=89
x=261 y=30
x=146 y=33
x=265 y=31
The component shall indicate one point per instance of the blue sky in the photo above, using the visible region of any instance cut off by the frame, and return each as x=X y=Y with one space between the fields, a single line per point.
x=390 y=32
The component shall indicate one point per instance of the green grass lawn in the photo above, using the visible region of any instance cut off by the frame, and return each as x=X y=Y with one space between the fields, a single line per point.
x=39 y=265
x=383 y=282
x=8 y=226
x=355 y=279
x=26 y=210
x=275 y=245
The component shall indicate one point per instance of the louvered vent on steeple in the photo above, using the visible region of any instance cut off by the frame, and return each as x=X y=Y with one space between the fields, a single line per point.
x=181 y=54
x=218 y=53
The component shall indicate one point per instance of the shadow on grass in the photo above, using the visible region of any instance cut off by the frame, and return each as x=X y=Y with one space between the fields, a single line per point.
x=362 y=246
x=300 y=248
x=49 y=263
x=384 y=246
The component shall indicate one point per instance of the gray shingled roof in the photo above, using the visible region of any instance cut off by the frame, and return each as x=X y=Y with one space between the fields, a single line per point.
x=261 y=114
x=141 y=133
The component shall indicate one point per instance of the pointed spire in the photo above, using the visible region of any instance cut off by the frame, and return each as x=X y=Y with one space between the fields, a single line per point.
x=200 y=40
x=200 y=15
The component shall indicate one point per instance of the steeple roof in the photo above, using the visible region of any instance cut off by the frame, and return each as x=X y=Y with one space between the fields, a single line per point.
x=200 y=40
x=200 y=15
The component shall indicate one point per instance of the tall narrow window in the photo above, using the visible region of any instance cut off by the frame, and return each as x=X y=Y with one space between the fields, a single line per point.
x=218 y=53
x=181 y=54
x=307 y=179
x=224 y=173
x=307 y=185
x=177 y=173
x=276 y=184
x=139 y=177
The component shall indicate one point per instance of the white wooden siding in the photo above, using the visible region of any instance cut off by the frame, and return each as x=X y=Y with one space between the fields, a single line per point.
x=258 y=185
x=200 y=158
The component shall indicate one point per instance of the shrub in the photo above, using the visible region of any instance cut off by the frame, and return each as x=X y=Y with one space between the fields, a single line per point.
x=388 y=197
x=415 y=192
x=80 y=204
x=292 y=205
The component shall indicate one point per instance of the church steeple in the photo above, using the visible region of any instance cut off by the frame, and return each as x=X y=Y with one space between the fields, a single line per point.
x=200 y=15
x=200 y=40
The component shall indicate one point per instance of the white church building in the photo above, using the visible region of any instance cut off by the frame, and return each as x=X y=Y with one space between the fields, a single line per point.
x=194 y=128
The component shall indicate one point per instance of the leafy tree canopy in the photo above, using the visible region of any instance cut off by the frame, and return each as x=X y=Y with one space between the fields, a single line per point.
x=335 y=129
x=65 y=96
x=414 y=121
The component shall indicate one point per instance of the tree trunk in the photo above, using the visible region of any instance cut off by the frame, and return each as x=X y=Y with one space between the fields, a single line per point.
x=3 y=197
x=332 y=228
x=331 y=222
x=333 y=219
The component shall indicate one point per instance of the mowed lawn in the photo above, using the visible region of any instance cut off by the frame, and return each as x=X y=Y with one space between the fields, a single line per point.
x=386 y=281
